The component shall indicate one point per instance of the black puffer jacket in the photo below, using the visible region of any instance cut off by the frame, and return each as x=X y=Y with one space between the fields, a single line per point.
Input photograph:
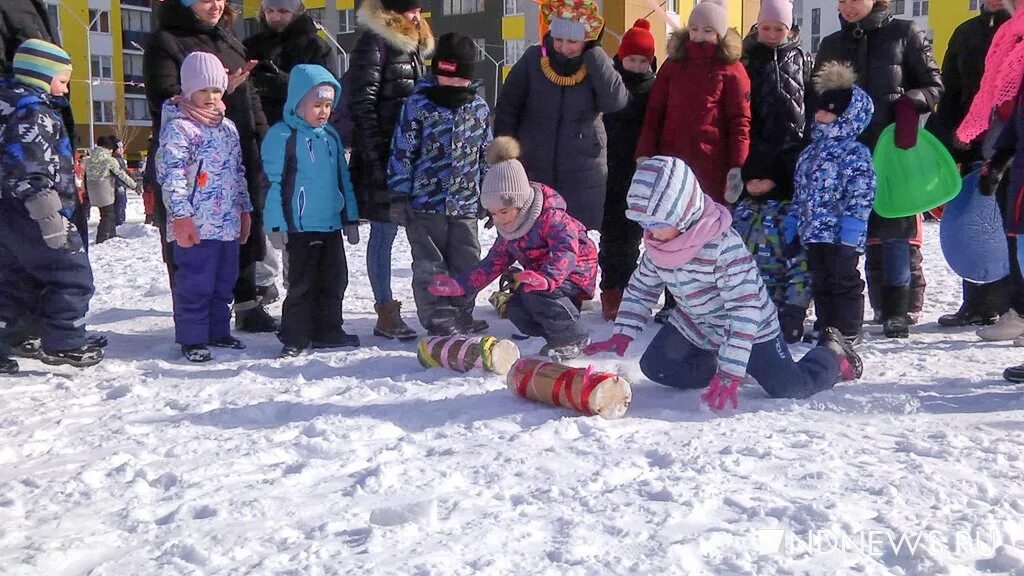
x=778 y=117
x=893 y=58
x=179 y=34
x=962 y=69
x=278 y=53
x=387 y=61
x=623 y=130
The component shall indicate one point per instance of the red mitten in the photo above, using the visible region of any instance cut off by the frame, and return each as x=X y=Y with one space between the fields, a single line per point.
x=721 y=390
x=617 y=343
x=531 y=281
x=445 y=285
x=907 y=123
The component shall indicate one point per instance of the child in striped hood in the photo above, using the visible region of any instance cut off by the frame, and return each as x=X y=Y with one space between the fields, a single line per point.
x=725 y=325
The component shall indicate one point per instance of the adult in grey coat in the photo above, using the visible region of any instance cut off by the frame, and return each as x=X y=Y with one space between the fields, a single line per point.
x=559 y=125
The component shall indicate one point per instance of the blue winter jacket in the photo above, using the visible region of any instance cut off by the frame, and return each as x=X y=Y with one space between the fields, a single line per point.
x=200 y=172
x=437 y=153
x=35 y=152
x=835 y=179
x=311 y=191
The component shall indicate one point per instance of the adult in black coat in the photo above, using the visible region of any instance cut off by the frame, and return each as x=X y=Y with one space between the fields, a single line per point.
x=287 y=37
x=388 y=60
x=962 y=69
x=896 y=67
x=181 y=31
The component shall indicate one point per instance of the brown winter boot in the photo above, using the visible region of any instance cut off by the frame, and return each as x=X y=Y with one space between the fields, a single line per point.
x=389 y=322
x=610 y=301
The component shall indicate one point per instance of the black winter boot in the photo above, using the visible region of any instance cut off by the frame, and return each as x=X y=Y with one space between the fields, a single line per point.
x=895 y=304
x=8 y=365
x=256 y=320
x=78 y=357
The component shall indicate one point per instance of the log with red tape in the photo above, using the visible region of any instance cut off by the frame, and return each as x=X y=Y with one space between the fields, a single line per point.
x=581 y=389
x=462 y=353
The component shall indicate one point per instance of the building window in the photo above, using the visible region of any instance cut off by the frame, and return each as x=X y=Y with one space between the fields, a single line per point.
x=481 y=48
x=798 y=14
x=346 y=21
x=920 y=7
x=252 y=26
x=136 y=20
x=514 y=7
x=514 y=50
x=898 y=7
x=815 y=29
x=672 y=6
x=136 y=109
x=103 y=112
x=101 y=23
x=452 y=7
x=132 y=67
x=102 y=67
x=316 y=14
x=974 y=5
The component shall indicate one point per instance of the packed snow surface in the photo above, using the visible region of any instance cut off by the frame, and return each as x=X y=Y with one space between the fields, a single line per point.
x=363 y=462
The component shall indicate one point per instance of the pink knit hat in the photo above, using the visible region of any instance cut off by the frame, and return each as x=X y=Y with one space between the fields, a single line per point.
x=711 y=13
x=201 y=70
x=776 y=10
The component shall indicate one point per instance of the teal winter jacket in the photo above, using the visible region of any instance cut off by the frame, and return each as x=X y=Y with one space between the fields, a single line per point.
x=310 y=189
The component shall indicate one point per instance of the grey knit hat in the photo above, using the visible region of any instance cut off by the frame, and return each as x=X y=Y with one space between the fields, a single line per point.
x=507 y=186
x=293 y=6
x=568 y=29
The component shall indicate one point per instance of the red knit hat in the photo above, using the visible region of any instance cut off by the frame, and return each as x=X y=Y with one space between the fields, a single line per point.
x=637 y=41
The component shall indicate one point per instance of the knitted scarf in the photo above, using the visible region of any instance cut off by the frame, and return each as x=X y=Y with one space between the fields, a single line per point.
x=674 y=253
x=1004 y=71
x=527 y=216
x=200 y=115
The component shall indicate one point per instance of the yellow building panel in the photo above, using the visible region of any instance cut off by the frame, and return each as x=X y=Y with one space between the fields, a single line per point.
x=943 y=18
x=513 y=27
x=346 y=4
x=505 y=69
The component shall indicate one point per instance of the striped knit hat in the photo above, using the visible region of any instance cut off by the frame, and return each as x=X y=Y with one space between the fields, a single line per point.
x=36 y=63
x=665 y=191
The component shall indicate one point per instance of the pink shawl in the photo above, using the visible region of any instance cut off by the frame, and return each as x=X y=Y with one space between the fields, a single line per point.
x=681 y=249
x=1004 y=70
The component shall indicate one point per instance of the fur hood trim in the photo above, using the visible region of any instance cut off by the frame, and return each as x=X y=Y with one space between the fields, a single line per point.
x=730 y=49
x=395 y=29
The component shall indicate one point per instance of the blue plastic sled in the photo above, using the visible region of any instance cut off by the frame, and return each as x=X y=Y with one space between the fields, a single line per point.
x=972 y=236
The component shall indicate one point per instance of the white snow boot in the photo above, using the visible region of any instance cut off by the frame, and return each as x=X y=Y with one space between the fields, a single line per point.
x=1009 y=327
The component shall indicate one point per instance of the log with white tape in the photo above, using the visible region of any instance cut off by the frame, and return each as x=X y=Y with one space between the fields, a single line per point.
x=463 y=353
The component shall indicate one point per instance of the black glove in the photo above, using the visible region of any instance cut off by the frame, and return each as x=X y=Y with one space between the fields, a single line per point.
x=993 y=171
x=268 y=67
x=399 y=211
x=791 y=318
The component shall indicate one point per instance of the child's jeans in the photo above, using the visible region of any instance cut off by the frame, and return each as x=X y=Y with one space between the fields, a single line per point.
x=554 y=316
x=317 y=279
x=378 y=259
x=203 y=287
x=837 y=287
x=442 y=244
x=672 y=360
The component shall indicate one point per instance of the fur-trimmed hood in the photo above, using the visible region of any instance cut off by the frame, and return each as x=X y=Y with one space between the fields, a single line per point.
x=730 y=49
x=395 y=29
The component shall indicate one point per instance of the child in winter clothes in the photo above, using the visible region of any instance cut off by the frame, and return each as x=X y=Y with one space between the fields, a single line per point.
x=310 y=202
x=620 y=236
x=199 y=168
x=725 y=326
x=103 y=175
x=835 y=190
x=46 y=280
x=534 y=229
x=436 y=167
x=699 y=109
x=775 y=63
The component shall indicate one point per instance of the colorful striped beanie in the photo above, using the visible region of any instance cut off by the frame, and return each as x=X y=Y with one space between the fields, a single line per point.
x=37 y=61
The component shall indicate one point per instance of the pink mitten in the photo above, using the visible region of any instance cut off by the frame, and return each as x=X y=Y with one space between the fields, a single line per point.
x=445 y=285
x=721 y=389
x=531 y=281
x=617 y=343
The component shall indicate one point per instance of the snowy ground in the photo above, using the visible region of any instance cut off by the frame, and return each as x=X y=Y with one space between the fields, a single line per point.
x=365 y=463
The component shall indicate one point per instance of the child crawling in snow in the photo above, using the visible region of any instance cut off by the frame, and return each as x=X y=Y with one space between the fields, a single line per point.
x=725 y=325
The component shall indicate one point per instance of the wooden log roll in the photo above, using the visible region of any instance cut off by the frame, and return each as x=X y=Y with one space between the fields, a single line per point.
x=463 y=353
x=585 y=391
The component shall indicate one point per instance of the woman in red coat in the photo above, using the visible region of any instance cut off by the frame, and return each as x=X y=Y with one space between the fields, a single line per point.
x=699 y=108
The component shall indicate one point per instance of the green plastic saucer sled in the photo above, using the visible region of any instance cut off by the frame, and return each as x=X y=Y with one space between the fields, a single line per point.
x=915 y=180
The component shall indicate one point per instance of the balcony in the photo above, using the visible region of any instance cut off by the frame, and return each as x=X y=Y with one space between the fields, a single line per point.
x=139 y=3
x=129 y=36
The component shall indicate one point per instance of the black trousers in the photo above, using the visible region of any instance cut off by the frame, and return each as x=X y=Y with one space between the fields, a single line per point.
x=837 y=287
x=107 y=227
x=317 y=279
x=441 y=244
x=620 y=244
x=554 y=316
